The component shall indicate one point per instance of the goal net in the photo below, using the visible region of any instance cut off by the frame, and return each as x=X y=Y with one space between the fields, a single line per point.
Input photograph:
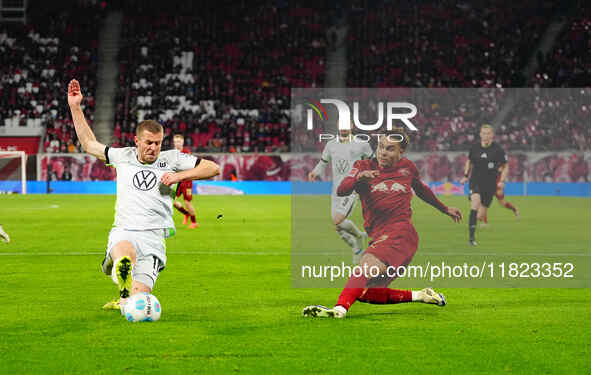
x=13 y=172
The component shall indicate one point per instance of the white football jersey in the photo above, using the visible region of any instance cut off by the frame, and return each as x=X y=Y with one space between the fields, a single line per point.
x=342 y=156
x=143 y=202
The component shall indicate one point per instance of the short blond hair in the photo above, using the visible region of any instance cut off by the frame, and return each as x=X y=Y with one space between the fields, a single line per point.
x=149 y=125
x=488 y=126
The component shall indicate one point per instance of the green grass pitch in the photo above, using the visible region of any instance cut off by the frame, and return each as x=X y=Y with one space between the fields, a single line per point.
x=229 y=307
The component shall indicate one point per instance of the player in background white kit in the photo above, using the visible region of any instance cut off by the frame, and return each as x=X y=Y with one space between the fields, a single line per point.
x=342 y=153
x=136 y=250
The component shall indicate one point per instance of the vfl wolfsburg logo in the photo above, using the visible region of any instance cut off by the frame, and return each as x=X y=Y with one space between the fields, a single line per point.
x=144 y=180
x=342 y=166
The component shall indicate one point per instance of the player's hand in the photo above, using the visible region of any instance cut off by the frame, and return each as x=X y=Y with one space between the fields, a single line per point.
x=74 y=94
x=367 y=175
x=463 y=180
x=455 y=214
x=170 y=178
x=312 y=176
x=501 y=185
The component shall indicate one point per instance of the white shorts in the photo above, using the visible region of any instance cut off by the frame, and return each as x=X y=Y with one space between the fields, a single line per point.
x=150 y=252
x=342 y=205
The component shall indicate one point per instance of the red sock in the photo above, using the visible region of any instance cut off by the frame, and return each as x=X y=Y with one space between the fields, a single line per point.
x=383 y=296
x=485 y=219
x=182 y=210
x=510 y=206
x=193 y=220
x=353 y=290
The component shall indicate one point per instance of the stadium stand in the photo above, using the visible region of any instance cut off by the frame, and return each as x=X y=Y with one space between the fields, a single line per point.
x=220 y=75
x=37 y=61
x=442 y=43
x=221 y=72
x=568 y=64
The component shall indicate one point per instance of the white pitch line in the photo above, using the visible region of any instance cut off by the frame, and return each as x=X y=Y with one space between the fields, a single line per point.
x=262 y=253
x=170 y=253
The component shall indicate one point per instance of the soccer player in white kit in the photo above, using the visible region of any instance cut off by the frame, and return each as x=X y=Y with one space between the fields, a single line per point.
x=342 y=153
x=136 y=250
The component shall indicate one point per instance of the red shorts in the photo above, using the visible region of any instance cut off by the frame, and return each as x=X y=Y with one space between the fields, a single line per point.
x=186 y=189
x=397 y=246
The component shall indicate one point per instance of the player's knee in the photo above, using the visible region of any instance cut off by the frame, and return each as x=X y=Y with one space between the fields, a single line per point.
x=337 y=220
x=372 y=266
x=121 y=249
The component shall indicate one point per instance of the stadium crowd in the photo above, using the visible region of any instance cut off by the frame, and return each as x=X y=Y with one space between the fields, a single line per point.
x=221 y=72
x=220 y=75
x=38 y=59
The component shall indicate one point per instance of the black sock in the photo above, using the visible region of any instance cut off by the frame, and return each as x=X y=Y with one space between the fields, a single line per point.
x=472 y=224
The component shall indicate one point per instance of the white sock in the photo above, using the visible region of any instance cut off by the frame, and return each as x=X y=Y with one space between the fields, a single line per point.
x=416 y=296
x=348 y=238
x=350 y=227
x=341 y=309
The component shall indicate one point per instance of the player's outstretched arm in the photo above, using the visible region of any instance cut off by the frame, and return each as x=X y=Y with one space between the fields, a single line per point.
x=83 y=131
x=204 y=170
x=425 y=193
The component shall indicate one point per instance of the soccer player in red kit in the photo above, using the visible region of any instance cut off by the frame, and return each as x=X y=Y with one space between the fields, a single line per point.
x=384 y=187
x=185 y=188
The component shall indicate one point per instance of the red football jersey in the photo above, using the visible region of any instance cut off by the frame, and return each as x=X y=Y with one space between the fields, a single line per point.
x=385 y=199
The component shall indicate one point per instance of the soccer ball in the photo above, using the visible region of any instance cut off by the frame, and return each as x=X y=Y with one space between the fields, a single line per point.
x=142 y=307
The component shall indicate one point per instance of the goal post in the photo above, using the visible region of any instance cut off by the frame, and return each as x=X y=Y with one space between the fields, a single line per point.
x=13 y=172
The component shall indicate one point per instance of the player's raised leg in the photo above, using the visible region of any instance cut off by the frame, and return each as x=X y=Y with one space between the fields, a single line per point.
x=123 y=255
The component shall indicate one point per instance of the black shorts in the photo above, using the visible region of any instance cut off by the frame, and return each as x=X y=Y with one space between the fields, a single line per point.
x=485 y=189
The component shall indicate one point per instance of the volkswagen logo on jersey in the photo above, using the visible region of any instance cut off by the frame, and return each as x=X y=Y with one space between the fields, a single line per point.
x=144 y=180
x=342 y=166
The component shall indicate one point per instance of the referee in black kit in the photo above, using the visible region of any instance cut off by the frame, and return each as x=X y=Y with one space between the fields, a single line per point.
x=485 y=160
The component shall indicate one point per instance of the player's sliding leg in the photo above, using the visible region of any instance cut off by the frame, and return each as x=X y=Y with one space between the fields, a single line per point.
x=474 y=206
x=124 y=259
x=118 y=263
x=357 y=289
x=384 y=296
